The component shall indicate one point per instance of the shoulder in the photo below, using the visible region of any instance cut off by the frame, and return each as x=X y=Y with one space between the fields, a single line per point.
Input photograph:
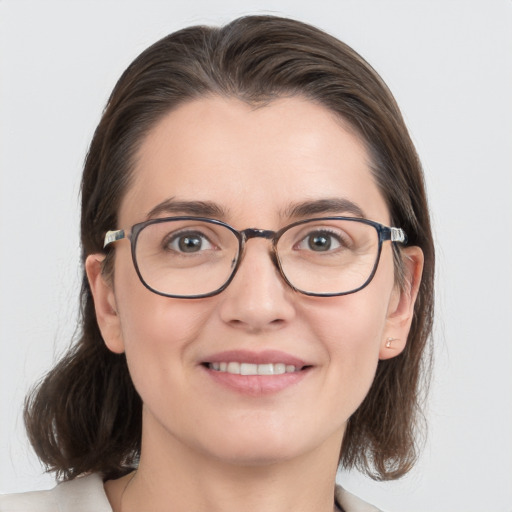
x=82 y=494
x=351 y=503
x=86 y=493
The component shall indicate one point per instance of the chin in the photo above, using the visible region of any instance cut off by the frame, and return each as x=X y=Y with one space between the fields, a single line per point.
x=257 y=458
x=259 y=448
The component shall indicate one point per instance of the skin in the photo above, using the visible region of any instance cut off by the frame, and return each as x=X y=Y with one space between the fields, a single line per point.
x=205 y=446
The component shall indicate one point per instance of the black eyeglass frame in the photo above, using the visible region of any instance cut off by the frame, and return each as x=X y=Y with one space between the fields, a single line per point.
x=385 y=233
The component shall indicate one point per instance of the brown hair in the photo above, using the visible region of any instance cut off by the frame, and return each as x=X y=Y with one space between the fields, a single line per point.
x=86 y=415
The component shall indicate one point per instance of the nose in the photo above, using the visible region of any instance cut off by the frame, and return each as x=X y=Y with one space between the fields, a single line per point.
x=258 y=299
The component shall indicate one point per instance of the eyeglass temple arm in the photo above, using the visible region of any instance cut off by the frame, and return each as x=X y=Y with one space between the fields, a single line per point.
x=397 y=235
x=112 y=236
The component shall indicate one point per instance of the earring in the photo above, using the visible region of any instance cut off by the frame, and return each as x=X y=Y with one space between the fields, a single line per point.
x=389 y=341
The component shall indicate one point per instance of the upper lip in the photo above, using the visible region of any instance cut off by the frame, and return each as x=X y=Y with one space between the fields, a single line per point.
x=263 y=357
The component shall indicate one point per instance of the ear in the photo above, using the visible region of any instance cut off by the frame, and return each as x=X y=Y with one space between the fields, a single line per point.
x=401 y=305
x=104 y=303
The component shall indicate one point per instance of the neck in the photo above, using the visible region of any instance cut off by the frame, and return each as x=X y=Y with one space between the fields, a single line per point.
x=173 y=476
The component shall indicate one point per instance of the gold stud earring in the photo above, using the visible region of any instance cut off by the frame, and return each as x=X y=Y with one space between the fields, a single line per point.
x=389 y=341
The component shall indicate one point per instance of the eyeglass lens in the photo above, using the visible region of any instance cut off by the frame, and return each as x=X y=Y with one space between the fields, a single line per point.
x=193 y=257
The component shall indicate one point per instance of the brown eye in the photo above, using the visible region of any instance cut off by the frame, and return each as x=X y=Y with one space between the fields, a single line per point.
x=320 y=241
x=191 y=242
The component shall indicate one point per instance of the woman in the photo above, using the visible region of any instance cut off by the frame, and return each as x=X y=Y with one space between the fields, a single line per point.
x=258 y=285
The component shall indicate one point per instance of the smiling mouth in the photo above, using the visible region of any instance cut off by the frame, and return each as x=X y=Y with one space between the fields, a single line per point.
x=237 y=368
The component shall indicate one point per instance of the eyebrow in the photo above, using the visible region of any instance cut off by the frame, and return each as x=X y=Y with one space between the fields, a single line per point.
x=198 y=208
x=334 y=205
x=209 y=209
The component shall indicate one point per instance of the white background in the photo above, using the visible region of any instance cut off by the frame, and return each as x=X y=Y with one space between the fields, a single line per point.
x=449 y=64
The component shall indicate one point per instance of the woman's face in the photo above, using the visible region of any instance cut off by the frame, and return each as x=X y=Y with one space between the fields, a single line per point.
x=252 y=166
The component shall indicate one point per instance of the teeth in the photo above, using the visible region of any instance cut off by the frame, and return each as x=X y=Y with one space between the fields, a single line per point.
x=267 y=369
x=233 y=368
x=247 y=369
x=253 y=369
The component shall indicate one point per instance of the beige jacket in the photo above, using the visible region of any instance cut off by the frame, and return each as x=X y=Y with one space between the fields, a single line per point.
x=86 y=494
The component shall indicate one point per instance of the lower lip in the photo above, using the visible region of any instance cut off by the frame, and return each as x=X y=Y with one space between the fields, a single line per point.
x=255 y=385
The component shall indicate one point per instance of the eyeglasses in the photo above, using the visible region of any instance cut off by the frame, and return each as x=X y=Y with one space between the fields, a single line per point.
x=194 y=257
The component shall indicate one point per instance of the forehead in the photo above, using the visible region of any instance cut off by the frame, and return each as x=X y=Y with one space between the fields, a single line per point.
x=253 y=162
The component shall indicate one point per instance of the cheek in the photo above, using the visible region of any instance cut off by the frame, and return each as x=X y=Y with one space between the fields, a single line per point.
x=147 y=319
x=158 y=332
x=351 y=329
x=352 y=324
x=351 y=339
